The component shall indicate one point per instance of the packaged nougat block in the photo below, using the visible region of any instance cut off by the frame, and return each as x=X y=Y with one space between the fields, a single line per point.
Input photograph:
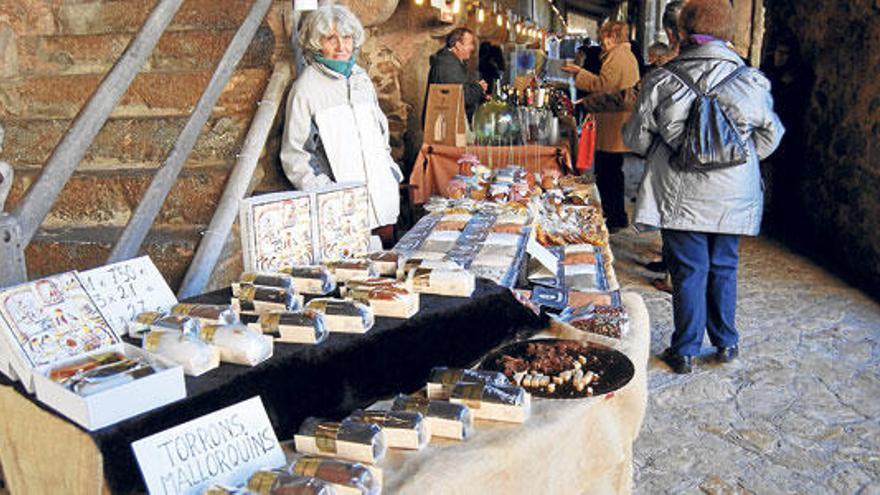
x=306 y=326
x=446 y=420
x=311 y=279
x=350 y=440
x=255 y=299
x=342 y=315
x=264 y=279
x=237 y=344
x=279 y=482
x=345 y=270
x=152 y=321
x=195 y=356
x=385 y=296
x=211 y=314
x=443 y=282
x=347 y=478
x=442 y=380
x=507 y=403
x=403 y=429
x=386 y=262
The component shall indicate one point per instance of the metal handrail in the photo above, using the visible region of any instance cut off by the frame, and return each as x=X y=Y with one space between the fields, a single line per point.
x=208 y=252
x=31 y=212
x=139 y=224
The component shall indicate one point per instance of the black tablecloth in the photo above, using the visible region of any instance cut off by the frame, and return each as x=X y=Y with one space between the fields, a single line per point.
x=331 y=379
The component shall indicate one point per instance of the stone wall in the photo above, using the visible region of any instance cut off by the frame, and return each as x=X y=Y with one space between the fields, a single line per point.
x=824 y=183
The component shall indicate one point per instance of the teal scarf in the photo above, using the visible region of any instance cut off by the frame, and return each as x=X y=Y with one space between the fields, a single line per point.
x=339 y=66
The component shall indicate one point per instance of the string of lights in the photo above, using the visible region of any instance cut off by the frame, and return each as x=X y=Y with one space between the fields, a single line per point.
x=521 y=25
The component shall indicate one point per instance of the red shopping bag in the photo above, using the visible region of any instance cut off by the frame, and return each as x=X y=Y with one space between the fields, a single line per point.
x=586 y=144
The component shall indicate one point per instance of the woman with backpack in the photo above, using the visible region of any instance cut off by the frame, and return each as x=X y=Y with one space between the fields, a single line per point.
x=703 y=121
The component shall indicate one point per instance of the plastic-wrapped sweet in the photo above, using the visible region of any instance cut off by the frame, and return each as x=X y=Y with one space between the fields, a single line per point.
x=255 y=299
x=154 y=321
x=311 y=279
x=212 y=314
x=237 y=344
x=447 y=420
x=345 y=270
x=338 y=473
x=293 y=327
x=342 y=315
x=361 y=442
x=140 y=324
x=195 y=356
x=265 y=279
x=403 y=429
x=386 y=262
x=443 y=379
x=444 y=282
x=99 y=372
x=278 y=482
x=607 y=321
x=508 y=403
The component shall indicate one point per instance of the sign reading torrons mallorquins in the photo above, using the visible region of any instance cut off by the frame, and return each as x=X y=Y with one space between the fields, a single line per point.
x=223 y=447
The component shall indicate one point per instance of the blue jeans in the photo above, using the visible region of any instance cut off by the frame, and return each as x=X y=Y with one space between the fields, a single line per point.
x=703 y=268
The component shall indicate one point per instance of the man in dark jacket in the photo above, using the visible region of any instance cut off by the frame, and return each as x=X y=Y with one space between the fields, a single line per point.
x=449 y=66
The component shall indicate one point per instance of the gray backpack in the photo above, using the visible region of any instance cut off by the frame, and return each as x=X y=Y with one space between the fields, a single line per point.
x=711 y=140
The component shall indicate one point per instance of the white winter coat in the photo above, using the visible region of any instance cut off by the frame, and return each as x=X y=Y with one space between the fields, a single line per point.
x=336 y=132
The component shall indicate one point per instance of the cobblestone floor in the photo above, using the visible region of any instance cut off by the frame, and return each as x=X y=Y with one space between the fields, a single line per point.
x=799 y=412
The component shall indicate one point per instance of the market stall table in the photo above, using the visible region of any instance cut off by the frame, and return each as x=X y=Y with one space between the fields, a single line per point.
x=41 y=451
x=436 y=164
x=566 y=446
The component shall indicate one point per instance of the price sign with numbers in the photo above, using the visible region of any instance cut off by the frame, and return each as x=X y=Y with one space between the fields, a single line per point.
x=124 y=289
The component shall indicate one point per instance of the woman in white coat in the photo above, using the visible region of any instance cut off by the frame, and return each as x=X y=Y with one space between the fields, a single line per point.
x=335 y=130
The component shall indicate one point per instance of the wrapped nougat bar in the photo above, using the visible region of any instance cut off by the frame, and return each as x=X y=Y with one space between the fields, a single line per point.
x=403 y=429
x=386 y=296
x=278 y=482
x=313 y=279
x=443 y=379
x=443 y=282
x=237 y=344
x=386 y=262
x=345 y=477
x=493 y=402
x=345 y=270
x=255 y=299
x=350 y=440
x=141 y=323
x=213 y=314
x=264 y=279
x=446 y=420
x=344 y=316
x=196 y=357
x=293 y=327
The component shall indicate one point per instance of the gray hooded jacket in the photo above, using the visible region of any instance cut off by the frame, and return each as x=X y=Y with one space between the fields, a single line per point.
x=726 y=201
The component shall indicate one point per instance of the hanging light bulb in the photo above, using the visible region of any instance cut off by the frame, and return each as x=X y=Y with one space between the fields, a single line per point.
x=481 y=15
x=518 y=28
x=418 y=2
x=500 y=20
x=456 y=6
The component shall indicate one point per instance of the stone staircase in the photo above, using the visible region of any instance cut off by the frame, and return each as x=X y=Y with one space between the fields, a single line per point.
x=54 y=56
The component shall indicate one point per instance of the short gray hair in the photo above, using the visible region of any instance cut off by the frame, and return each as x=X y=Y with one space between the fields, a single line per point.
x=321 y=21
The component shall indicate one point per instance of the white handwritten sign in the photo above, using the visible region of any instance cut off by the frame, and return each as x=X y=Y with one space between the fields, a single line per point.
x=223 y=447
x=123 y=290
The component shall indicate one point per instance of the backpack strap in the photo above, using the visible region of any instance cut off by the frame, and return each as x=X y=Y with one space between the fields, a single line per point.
x=684 y=78
x=730 y=77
